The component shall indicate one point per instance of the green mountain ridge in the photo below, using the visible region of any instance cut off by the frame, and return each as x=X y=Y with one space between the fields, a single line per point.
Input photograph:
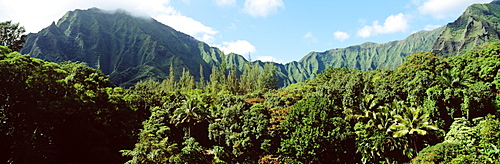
x=370 y=56
x=478 y=26
x=127 y=48
x=130 y=49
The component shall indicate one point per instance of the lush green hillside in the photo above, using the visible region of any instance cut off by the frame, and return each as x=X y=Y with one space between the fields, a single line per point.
x=478 y=26
x=127 y=48
x=130 y=49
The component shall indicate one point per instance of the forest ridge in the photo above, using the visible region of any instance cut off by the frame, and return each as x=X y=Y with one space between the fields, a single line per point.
x=429 y=109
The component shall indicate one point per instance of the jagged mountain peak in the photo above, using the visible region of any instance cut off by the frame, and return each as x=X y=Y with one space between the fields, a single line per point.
x=478 y=25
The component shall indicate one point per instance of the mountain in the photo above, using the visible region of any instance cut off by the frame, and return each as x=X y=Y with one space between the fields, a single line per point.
x=475 y=28
x=367 y=56
x=130 y=49
x=127 y=48
x=370 y=56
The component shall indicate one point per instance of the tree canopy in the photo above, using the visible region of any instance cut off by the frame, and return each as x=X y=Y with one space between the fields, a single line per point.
x=428 y=110
x=12 y=35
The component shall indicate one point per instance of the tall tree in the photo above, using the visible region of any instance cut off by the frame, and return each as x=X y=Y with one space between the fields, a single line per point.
x=269 y=76
x=186 y=81
x=232 y=82
x=12 y=35
x=201 y=83
x=170 y=84
x=215 y=79
x=188 y=115
x=410 y=122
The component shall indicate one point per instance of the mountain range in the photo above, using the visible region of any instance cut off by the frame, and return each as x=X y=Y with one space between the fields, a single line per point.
x=130 y=49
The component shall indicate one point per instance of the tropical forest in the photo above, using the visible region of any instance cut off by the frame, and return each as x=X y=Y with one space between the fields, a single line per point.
x=108 y=87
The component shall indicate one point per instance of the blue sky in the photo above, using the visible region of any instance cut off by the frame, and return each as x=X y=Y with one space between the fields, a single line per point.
x=277 y=30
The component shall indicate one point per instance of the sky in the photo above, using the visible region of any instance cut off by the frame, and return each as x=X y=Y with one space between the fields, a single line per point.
x=267 y=30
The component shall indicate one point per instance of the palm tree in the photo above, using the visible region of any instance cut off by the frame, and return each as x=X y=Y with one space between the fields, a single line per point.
x=413 y=120
x=367 y=109
x=189 y=114
x=375 y=118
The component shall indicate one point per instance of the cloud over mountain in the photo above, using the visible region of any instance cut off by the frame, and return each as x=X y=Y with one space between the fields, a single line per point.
x=341 y=36
x=241 y=47
x=445 y=8
x=38 y=17
x=392 y=24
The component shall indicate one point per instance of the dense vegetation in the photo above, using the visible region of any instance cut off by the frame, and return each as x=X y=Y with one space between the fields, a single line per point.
x=429 y=109
x=216 y=108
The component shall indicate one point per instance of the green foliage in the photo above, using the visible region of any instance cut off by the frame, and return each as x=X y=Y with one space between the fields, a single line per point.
x=12 y=35
x=443 y=152
x=382 y=116
x=127 y=48
x=65 y=113
x=314 y=132
x=154 y=145
x=412 y=120
x=240 y=129
x=466 y=142
x=189 y=114
x=371 y=56
x=71 y=113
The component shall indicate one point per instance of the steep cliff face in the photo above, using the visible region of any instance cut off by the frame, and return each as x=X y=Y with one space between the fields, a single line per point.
x=127 y=48
x=475 y=28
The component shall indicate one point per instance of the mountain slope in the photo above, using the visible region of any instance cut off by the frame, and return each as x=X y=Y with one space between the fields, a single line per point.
x=476 y=27
x=127 y=48
x=367 y=56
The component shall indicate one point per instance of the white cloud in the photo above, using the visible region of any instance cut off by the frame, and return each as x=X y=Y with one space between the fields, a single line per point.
x=431 y=27
x=262 y=8
x=309 y=36
x=241 y=47
x=189 y=26
x=38 y=14
x=446 y=8
x=392 y=24
x=341 y=36
x=225 y=2
x=268 y=59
